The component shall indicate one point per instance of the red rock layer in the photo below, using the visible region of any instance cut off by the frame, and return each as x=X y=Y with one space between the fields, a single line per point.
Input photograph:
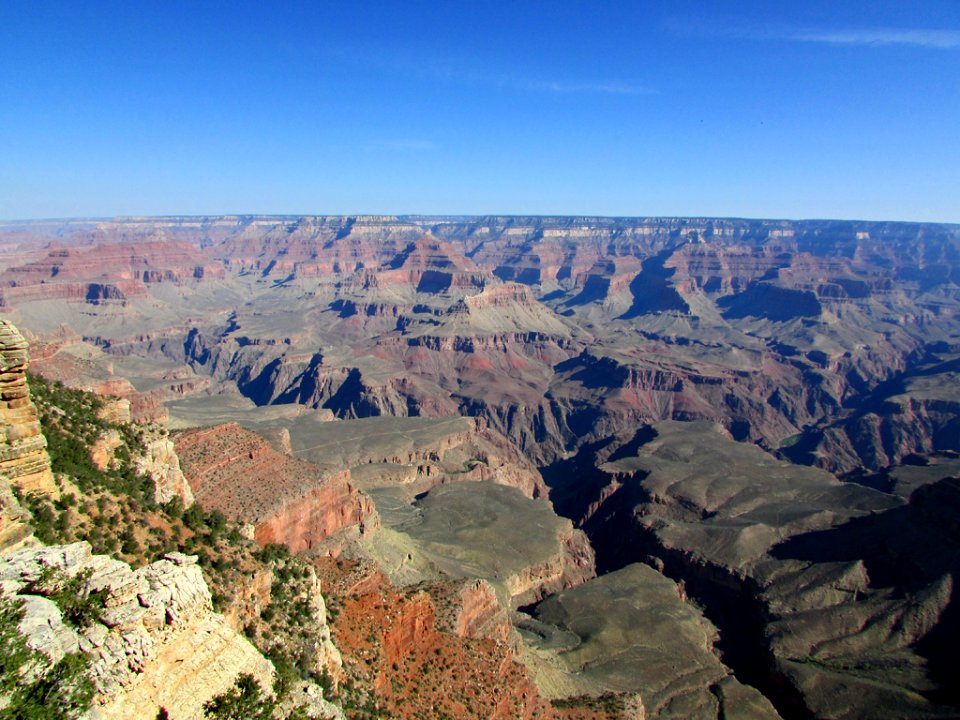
x=416 y=649
x=107 y=272
x=287 y=501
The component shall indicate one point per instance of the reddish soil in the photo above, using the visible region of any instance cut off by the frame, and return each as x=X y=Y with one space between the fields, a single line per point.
x=391 y=644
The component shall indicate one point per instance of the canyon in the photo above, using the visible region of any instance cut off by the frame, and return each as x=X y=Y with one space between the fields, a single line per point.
x=707 y=467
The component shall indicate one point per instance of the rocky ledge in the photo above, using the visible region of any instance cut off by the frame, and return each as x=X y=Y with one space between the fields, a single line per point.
x=156 y=641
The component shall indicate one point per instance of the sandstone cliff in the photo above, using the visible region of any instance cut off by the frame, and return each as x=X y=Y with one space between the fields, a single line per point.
x=15 y=530
x=23 y=455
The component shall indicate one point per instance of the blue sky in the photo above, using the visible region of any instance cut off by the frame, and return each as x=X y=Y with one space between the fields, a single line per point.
x=764 y=109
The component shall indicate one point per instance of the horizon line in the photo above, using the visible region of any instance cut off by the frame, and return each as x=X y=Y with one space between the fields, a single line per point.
x=459 y=216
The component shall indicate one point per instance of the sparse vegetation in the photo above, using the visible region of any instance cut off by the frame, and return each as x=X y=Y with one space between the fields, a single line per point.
x=609 y=703
x=79 y=607
x=72 y=425
x=246 y=700
x=34 y=691
x=114 y=510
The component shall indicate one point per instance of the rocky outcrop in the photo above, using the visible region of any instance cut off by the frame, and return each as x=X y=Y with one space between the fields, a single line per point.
x=103 y=448
x=115 y=410
x=23 y=448
x=308 y=698
x=327 y=657
x=287 y=501
x=15 y=530
x=477 y=613
x=141 y=407
x=157 y=642
x=160 y=462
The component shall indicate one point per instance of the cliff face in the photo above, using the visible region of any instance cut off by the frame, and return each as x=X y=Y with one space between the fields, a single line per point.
x=158 y=642
x=477 y=613
x=23 y=452
x=287 y=501
x=820 y=582
x=418 y=453
x=304 y=522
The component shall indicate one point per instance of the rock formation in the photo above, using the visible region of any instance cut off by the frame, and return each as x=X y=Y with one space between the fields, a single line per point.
x=631 y=631
x=15 y=530
x=779 y=330
x=574 y=344
x=161 y=463
x=157 y=643
x=23 y=452
x=831 y=597
x=287 y=501
x=418 y=453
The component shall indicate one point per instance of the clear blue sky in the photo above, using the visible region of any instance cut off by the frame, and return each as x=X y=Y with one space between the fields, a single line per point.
x=763 y=109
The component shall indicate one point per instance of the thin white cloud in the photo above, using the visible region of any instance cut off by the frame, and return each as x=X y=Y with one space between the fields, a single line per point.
x=589 y=88
x=940 y=39
x=461 y=71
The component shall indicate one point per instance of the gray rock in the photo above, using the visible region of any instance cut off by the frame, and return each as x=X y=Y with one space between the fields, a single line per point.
x=44 y=629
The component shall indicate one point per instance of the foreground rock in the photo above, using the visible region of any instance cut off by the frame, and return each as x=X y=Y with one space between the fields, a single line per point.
x=157 y=642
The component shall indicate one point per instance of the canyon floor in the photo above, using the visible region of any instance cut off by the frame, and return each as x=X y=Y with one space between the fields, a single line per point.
x=573 y=467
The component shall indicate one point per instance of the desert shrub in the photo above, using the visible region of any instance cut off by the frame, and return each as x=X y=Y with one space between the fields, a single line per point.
x=62 y=692
x=244 y=701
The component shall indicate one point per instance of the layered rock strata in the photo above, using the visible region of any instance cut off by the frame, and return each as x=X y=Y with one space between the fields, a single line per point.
x=287 y=501
x=23 y=448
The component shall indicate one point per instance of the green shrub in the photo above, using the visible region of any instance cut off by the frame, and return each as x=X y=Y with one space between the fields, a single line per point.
x=63 y=692
x=244 y=701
